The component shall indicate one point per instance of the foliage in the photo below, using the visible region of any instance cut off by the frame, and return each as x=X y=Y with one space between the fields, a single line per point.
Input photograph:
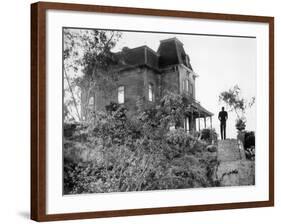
x=237 y=104
x=87 y=57
x=240 y=124
x=209 y=135
x=249 y=145
x=118 y=152
x=249 y=139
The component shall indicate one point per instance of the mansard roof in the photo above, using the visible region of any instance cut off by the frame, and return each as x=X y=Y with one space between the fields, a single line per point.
x=170 y=52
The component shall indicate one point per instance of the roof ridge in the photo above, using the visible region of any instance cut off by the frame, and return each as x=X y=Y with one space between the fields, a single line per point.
x=171 y=39
x=134 y=48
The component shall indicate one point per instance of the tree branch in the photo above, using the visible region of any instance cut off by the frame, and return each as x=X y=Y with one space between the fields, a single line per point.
x=72 y=95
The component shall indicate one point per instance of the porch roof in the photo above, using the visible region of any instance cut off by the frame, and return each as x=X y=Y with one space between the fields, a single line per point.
x=199 y=111
x=196 y=109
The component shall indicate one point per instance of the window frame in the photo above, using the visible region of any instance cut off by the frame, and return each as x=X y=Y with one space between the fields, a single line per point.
x=92 y=105
x=120 y=91
x=191 y=89
x=150 y=92
x=187 y=83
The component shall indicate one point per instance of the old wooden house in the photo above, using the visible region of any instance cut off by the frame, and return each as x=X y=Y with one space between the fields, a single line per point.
x=147 y=75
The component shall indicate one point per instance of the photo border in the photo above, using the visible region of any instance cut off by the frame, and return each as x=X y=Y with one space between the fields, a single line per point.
x=38 y=110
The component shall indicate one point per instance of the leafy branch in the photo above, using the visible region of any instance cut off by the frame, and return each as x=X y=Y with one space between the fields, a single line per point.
x=87 y=56
x=233 y=100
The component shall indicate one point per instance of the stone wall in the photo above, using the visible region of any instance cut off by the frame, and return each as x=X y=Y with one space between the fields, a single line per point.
x=233 y=168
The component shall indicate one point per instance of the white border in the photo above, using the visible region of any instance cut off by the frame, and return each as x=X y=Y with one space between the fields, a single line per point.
x=56 y=203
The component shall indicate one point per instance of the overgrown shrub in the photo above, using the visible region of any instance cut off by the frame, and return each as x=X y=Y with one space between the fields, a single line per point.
x=240 y=124
x=136 y=153
x=209 y=135
x=249 y=145
x=249 y=139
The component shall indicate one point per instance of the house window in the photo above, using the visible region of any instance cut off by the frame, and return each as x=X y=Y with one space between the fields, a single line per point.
x=92 y=102
x=186 y=85
x=172 y=126
x=186 y=124
x=191 y=89
x=150 y=92
x=121 y=94
x=183 y=85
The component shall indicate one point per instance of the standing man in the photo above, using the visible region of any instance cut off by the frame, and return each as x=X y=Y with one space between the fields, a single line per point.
x=223 y=117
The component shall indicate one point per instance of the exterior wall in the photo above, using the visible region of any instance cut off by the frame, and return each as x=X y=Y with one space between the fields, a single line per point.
x=192 y=80
x=101 y=99
x=185 y=74
x=151 y=77
x=135 y=81
x=170 y=81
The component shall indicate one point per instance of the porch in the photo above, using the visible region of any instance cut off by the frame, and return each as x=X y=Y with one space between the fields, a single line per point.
x=197 y=117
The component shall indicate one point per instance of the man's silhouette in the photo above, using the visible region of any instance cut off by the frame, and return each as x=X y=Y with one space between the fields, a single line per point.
x=223 y=117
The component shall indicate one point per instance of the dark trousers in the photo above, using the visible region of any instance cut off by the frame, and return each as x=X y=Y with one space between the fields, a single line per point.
x=223 y=127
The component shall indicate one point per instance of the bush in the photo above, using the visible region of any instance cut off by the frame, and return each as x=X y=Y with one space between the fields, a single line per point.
x=249 y=139
x=209 y=135
x=180 y=138
x=240 y=124
x=249 y=145
x=120 y=153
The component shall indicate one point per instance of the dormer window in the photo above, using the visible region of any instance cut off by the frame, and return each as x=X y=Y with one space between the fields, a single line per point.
x=121 y=94
x=150 y=93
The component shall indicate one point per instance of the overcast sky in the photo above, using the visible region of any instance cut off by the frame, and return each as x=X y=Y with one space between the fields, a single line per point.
x=220 y=62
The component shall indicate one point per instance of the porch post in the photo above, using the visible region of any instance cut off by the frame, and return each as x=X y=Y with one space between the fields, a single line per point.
x=205 y=121
x=191 y=123
x=211 y=121
x=199 y=120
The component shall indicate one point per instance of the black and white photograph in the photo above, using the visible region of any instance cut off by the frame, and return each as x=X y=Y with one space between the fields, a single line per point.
x=147 y=110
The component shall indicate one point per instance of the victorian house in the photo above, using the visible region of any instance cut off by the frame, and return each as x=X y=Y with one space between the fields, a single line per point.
x=147 y=75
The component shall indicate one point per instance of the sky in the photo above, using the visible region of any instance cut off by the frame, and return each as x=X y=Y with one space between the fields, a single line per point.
x=220 y=62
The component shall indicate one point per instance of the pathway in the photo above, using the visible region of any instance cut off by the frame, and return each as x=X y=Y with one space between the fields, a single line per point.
x=233 y=168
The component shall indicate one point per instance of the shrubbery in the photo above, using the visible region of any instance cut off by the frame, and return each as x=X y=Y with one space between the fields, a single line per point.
x=249 y=145
x=209 y=135
x=113 y=153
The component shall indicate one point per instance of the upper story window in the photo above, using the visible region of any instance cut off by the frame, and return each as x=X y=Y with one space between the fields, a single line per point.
x=186 y=85
x=121 y=94
x=191 y=89
x=150 y=92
